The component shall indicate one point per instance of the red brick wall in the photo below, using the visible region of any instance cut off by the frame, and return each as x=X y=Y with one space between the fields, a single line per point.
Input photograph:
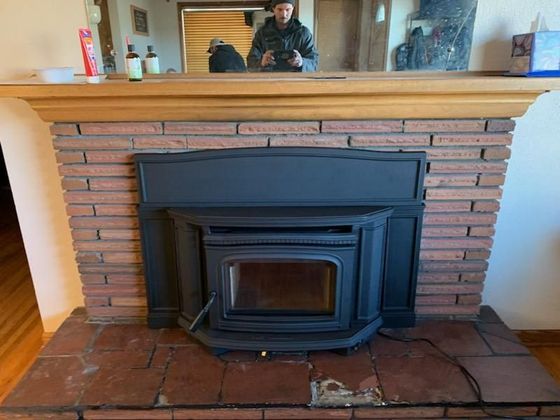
x=466 y=167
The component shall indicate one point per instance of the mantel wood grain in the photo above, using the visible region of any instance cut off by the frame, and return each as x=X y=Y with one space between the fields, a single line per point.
x=253 y=97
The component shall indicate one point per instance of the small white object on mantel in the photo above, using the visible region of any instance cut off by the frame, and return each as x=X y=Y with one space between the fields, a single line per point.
x=55 y=74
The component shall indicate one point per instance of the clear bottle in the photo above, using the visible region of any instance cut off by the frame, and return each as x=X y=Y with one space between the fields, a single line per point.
x=152 y=61
x=133 y=65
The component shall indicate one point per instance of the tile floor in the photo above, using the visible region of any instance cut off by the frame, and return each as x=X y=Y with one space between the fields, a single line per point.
x=128 y=371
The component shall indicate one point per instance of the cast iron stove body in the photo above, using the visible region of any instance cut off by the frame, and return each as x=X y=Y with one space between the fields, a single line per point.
x=281 y=249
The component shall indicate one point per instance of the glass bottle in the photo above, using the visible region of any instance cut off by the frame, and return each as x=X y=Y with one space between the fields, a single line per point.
x=133 y=65
x=152 y=61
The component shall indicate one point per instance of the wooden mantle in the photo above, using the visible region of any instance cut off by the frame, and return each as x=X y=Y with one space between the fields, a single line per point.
x=318 y=96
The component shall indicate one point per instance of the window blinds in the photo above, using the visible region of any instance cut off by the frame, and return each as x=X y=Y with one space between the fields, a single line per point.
x=199 y=27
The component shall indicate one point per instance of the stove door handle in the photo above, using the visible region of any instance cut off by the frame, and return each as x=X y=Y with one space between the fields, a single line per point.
x=202 y=314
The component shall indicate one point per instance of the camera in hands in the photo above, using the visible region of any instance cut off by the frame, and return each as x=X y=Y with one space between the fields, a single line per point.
x=283 y=55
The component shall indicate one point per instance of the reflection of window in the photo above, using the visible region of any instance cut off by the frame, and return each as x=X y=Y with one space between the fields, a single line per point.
x=199 y=27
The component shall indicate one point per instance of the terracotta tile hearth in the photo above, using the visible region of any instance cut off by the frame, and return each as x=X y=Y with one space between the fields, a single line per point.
x=119 y=371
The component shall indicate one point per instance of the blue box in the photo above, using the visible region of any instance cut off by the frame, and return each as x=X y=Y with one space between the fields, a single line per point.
x=536 y=54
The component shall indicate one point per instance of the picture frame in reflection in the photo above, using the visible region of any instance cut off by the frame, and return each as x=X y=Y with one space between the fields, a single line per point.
x=139 y=21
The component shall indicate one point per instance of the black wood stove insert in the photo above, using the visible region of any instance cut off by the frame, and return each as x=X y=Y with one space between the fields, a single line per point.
x=281 y=249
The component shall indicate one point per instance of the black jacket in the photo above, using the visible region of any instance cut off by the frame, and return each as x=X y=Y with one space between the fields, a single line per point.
x=226 y=59
x=294 y=37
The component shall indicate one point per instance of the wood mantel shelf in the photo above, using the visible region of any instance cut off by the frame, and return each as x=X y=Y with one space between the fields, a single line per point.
x=273 y=96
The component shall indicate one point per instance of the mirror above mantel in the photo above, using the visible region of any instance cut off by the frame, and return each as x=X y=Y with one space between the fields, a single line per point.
x=350 y=35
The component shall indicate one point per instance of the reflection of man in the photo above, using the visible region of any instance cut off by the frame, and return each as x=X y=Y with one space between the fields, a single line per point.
x=224 y=58
x=283 y=43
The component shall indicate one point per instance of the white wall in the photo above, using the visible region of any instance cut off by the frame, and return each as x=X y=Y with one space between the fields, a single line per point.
x=39 y=33
x=523 y=281
x=168 y=36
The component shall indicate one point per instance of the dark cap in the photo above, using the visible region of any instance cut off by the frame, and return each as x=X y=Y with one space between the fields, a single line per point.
x=274 y=3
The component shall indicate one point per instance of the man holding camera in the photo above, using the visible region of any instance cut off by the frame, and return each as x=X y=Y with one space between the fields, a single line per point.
x=283 y=43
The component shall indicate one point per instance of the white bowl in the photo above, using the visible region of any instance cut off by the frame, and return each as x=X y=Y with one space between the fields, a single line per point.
x=55 y=74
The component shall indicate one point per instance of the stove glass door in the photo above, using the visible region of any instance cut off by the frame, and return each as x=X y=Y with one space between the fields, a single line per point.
x=281 y=286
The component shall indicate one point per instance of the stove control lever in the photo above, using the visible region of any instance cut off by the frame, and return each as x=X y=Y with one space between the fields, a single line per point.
x=202 y=314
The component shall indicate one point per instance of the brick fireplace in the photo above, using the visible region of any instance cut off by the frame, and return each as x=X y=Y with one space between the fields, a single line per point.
x=462 y=122
x=466 y=167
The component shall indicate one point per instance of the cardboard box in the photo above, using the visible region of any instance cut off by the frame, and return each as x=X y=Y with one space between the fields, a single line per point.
x=536 y=54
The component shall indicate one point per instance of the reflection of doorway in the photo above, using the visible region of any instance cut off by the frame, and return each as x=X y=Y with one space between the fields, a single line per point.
x=106 y=38
x=337 y=34
x=21 y=328
x=351 y=35
x=378 y=35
